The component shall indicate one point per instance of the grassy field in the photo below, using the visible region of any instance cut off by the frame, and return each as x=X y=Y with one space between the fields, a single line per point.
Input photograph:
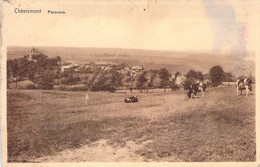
x=219 y=127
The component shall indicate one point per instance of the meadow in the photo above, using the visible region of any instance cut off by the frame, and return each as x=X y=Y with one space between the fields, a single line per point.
x=166 y=126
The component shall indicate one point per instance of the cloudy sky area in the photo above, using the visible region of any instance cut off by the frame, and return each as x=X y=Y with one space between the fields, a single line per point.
x=201 y=25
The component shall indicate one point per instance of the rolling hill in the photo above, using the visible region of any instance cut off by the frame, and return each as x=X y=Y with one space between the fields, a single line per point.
x=150 y=59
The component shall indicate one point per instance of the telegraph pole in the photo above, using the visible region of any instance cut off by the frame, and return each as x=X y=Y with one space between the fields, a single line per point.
x=15 y=83
x=227 y=79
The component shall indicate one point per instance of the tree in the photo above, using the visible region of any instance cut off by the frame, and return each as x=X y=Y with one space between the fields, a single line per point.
x=216 y=75
x=130 y=82
x=45 y=80
x=141 y=80
x=199 y=76
x=165 y=78
x=228 y=77
x=18 y=68
x=192 y=77
x=187 y=84
x=115 y=81
x=191 y=74
x=99 y=83
x=106 y=81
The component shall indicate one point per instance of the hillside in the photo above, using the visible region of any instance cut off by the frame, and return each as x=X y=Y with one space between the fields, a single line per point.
x=151 y=59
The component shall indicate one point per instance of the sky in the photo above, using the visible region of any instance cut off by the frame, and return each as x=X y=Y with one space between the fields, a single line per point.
x=184 y=25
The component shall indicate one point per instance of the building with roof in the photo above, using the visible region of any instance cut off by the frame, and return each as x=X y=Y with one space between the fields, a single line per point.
x=69 y=68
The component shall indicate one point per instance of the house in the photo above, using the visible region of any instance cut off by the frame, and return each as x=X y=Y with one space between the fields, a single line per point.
x=106 y=68
x=32 y=52
x=179 y=78
x=66 y=68
x=75 y=67
x=101 y=64
x=172 y=78
x=70 y=68
x=127 y=71
x=137 y=68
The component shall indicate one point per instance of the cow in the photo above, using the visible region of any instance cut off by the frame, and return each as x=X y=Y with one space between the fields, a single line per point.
x=243 y=84
x=131 y=99
x=195 y=88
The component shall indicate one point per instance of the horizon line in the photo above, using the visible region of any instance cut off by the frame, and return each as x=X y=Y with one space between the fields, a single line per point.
x=219 y=52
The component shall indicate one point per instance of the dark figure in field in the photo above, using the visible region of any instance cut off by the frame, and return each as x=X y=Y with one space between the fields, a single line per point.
x=194 y=88
x=244 y=84
x=132 y=99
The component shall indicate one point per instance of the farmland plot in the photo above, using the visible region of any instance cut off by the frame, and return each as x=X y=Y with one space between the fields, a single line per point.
x=59 y=126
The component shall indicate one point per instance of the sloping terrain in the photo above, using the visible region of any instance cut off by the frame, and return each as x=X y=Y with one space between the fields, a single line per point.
x=48 y=126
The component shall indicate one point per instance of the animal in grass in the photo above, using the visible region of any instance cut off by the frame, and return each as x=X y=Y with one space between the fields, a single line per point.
x=195 y=88
x=244 y=84
x=131 y=99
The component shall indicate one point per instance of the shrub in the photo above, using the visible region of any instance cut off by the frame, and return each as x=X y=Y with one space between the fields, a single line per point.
x=67 y=88
x=175 y=87
x=31 y=86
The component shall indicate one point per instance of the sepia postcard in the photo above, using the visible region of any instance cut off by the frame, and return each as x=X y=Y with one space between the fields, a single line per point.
x=130 y=83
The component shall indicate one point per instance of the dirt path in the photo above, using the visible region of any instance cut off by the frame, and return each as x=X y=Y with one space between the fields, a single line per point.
x=97 y=151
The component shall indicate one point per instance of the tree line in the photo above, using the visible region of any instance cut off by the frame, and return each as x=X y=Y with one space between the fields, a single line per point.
x=46 y=72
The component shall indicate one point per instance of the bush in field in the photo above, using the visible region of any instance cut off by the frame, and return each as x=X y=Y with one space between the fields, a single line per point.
x=83 y=88
x=67 y=88
x=69 y=79
x=46 y=85
x=175 y=86
x=217 y=75
x=31 y=86
x=73 y=80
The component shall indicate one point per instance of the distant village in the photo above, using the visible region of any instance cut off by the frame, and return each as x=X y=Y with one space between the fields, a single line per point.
x=38 y=71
